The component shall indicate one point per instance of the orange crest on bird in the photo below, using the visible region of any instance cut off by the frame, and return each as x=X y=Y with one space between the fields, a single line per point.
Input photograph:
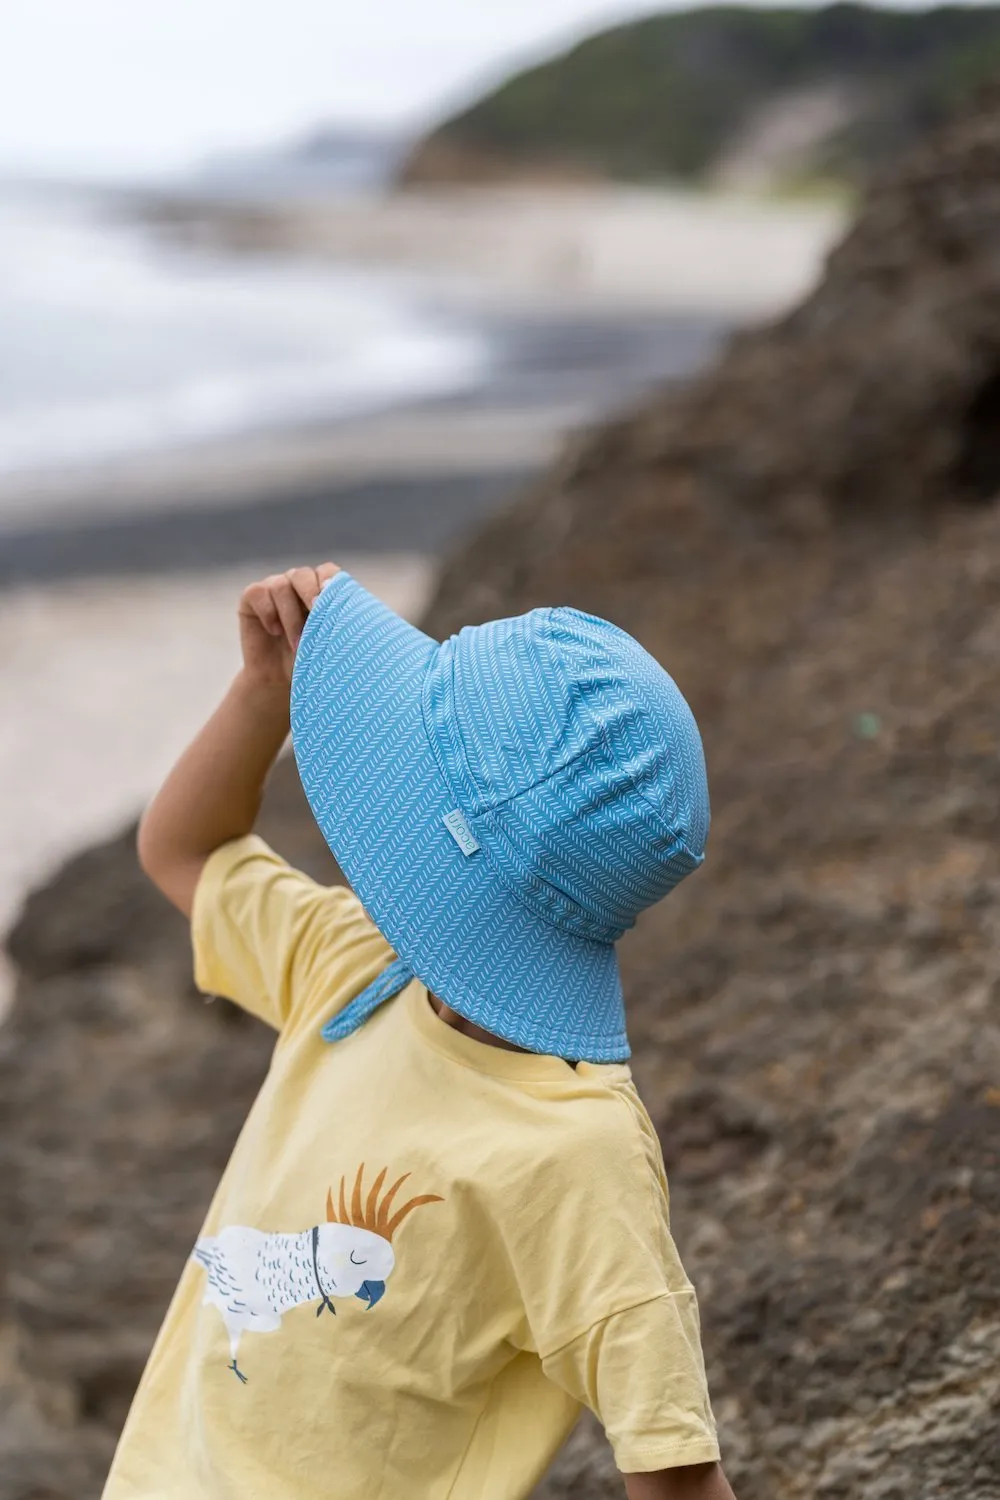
x=372 y=1214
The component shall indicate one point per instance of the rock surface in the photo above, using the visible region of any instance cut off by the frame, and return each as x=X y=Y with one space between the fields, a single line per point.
x=809 y=538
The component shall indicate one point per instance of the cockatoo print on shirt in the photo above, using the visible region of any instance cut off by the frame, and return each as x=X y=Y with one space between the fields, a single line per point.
x=255 y=1278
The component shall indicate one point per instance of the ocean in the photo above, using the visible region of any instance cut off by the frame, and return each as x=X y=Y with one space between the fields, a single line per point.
x=113 y=343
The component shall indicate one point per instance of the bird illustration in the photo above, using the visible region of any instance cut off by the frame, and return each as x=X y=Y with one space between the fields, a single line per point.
x=254 y=1278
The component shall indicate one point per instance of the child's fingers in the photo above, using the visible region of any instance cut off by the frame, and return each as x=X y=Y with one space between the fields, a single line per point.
x=307 y=583
x=258 y=602
x=291 y=611
x=281 y=601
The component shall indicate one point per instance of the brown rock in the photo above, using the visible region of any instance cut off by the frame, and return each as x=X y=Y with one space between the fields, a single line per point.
x=808 y=538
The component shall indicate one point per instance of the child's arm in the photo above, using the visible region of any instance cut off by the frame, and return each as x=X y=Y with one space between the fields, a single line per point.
x=691 y=1482
x=213 y=793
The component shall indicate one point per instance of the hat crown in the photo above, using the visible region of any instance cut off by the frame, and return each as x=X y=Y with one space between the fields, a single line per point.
x=578 y=763
x=577 y=766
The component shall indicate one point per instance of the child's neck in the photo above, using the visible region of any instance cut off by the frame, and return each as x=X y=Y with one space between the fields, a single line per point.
x=469 y=1028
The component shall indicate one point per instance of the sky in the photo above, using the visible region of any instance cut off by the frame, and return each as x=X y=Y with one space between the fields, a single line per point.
x=124 y=87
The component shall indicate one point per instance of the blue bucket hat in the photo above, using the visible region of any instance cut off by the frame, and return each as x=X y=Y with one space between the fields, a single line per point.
x=504 y=804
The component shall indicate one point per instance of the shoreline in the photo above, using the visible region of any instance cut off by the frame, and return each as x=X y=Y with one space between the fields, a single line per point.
x=548 y=375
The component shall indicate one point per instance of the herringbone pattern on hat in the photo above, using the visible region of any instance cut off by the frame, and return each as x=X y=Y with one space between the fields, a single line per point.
x=579 y=770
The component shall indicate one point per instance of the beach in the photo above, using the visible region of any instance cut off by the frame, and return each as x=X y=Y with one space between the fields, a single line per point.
x=121 y=560
x=575 y=248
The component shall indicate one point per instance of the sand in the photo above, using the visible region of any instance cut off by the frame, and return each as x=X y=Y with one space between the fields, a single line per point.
x=580 y=249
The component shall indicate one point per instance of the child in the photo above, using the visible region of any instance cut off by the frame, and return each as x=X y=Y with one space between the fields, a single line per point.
x=444 y=1227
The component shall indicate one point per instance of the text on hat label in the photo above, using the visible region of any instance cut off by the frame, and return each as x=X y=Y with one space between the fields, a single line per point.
x=460 y=831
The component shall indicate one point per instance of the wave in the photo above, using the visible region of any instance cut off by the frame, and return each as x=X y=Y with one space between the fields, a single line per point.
x=113 y=344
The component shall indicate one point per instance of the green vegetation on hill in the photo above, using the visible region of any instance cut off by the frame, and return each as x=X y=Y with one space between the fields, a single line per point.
x=677 y=95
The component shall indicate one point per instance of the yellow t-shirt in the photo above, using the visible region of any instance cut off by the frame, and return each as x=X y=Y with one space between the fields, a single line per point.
x=425 y=1253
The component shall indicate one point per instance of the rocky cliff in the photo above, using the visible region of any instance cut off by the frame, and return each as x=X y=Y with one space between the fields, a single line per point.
x=809 y=537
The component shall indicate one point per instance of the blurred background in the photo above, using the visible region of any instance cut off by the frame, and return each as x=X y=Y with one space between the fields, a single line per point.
x=494 y=304
x=258 y=304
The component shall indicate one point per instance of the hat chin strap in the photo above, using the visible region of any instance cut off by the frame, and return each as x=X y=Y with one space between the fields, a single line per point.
x=356 y=1012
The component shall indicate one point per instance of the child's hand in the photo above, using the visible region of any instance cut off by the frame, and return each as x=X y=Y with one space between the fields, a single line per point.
x=272 y=614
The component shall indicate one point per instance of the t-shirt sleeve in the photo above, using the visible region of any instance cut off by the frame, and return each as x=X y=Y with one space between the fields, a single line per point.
x=642 y=1373
x=610 y=1309
x=274 y=941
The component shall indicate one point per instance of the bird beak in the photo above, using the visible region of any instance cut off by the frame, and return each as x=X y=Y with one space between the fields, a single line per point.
x=371 y=1292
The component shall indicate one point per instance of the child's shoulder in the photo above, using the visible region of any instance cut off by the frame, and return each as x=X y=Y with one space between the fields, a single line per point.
x=603 y=1128
x=598 y=1163
x=277 y=942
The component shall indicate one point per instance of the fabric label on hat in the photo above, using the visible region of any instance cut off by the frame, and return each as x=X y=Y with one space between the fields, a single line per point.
x=460 y=831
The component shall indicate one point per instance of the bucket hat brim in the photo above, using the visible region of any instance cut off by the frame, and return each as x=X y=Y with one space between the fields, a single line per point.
x=374 y=782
